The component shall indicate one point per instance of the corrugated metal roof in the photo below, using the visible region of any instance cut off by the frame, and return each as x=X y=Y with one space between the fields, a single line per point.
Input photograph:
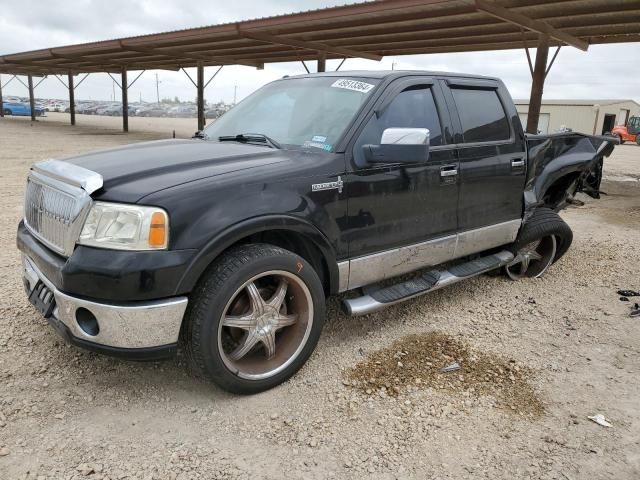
x=367 y=30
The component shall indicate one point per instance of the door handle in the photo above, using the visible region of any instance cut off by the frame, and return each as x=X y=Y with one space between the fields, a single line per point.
x=517 y=163
x=448 y=171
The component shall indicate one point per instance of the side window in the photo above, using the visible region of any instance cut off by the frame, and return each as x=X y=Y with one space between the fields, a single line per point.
x=482 y=115
x=414 y=107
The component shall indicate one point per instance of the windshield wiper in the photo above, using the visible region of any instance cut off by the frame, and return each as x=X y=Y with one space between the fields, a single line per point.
x=250 y=138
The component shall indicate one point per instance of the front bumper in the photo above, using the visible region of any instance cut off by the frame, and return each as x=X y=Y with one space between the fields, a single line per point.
x=109 y=276
x=137 y=330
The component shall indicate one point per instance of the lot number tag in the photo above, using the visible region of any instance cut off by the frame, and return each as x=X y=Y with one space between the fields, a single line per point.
x=352 y=85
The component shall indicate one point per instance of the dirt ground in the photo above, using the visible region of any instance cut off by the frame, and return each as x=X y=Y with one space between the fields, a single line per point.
x=537 y=357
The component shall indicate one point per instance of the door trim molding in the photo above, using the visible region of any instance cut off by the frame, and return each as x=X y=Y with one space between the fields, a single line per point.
x=379 y=266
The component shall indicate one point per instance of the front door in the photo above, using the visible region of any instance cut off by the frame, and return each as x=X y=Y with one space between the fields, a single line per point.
x=402 y=216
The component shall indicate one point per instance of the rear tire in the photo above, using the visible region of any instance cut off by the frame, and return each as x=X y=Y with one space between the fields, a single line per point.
x=543 y=240
x=254 y=319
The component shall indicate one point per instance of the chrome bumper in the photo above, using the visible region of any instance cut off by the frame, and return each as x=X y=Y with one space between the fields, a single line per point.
x=137 y=325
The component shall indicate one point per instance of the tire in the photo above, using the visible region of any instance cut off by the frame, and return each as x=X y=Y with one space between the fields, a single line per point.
x=227 y=294
x=638 y=139
x=545 y=221
x=8 y=112
x=538 y=231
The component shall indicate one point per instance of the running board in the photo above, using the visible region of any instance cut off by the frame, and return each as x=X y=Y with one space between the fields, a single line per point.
x=424 y=283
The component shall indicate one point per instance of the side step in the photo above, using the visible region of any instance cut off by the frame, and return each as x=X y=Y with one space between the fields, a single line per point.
x=427 y=282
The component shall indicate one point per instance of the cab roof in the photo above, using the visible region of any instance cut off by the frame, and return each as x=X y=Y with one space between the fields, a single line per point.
x=391 y=74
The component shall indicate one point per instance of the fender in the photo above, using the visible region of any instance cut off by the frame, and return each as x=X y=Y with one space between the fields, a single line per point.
x=551 y=157
x=245 y=228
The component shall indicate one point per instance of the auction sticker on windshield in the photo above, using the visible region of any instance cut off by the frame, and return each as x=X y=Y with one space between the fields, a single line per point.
x=355 y=85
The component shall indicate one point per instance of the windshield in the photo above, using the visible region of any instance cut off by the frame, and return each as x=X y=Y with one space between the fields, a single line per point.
x=309 y=112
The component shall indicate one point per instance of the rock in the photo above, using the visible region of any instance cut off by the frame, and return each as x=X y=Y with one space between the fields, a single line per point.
x=4 y=451
x=85 y=469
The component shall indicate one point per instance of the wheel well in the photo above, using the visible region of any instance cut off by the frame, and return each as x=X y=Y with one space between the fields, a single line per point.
x=557 y=192
x=296 y=243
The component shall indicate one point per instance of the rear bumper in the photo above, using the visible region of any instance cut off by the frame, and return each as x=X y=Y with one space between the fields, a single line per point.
x=136 y=330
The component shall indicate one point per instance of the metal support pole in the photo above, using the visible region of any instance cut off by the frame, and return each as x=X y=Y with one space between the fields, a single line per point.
x=72 y=99
x=1 y=102
x=200 y=99
x=125 y=101
x=32 y=102
x=322 y=61
x=537 y=86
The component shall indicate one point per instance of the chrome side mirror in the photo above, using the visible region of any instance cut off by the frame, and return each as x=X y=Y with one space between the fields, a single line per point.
x=405 y=136
x=399 y=145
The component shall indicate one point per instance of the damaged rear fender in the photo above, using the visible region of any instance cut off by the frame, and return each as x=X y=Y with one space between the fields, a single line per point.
x=560 y=165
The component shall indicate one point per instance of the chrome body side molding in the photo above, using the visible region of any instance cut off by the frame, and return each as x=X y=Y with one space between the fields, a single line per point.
x=343 y=275
x=480 y=239
x=376 y=267
x=391 y=263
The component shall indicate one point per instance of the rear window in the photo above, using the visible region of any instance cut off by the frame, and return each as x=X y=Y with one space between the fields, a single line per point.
x=482 y=115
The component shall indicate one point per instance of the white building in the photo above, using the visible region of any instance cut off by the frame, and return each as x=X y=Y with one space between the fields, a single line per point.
x=594 y=117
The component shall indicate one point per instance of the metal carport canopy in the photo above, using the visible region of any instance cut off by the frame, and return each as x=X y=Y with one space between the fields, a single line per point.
x=369 y=30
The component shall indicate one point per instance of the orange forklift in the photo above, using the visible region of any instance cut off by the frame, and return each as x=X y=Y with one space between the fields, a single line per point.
x=629 y=132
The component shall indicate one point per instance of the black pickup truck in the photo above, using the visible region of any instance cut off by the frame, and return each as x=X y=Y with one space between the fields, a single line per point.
x=228 y=243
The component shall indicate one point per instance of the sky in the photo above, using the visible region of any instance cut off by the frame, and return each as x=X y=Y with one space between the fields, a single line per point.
x=605 y=71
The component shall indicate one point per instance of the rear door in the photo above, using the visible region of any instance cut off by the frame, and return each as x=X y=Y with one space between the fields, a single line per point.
x=491 y=150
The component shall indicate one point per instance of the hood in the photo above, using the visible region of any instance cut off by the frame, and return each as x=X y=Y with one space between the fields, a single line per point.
x=135 y=171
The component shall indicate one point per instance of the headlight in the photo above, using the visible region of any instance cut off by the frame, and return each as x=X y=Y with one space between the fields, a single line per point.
x=125 y=227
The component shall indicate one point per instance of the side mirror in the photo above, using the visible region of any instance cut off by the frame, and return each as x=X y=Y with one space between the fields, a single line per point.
x=399 y=145
x=405 y=136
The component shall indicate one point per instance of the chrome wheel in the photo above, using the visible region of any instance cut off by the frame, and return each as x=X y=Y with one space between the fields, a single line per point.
x=265 y=325
x=533 y=259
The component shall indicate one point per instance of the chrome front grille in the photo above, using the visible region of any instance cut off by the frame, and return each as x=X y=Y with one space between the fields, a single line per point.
x=48 y=212
x=54 y=211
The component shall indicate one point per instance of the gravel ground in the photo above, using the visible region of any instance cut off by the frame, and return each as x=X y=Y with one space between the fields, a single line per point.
x=566 y=341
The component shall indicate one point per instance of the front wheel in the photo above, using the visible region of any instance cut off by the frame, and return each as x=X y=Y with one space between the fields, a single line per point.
x=254 y=319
